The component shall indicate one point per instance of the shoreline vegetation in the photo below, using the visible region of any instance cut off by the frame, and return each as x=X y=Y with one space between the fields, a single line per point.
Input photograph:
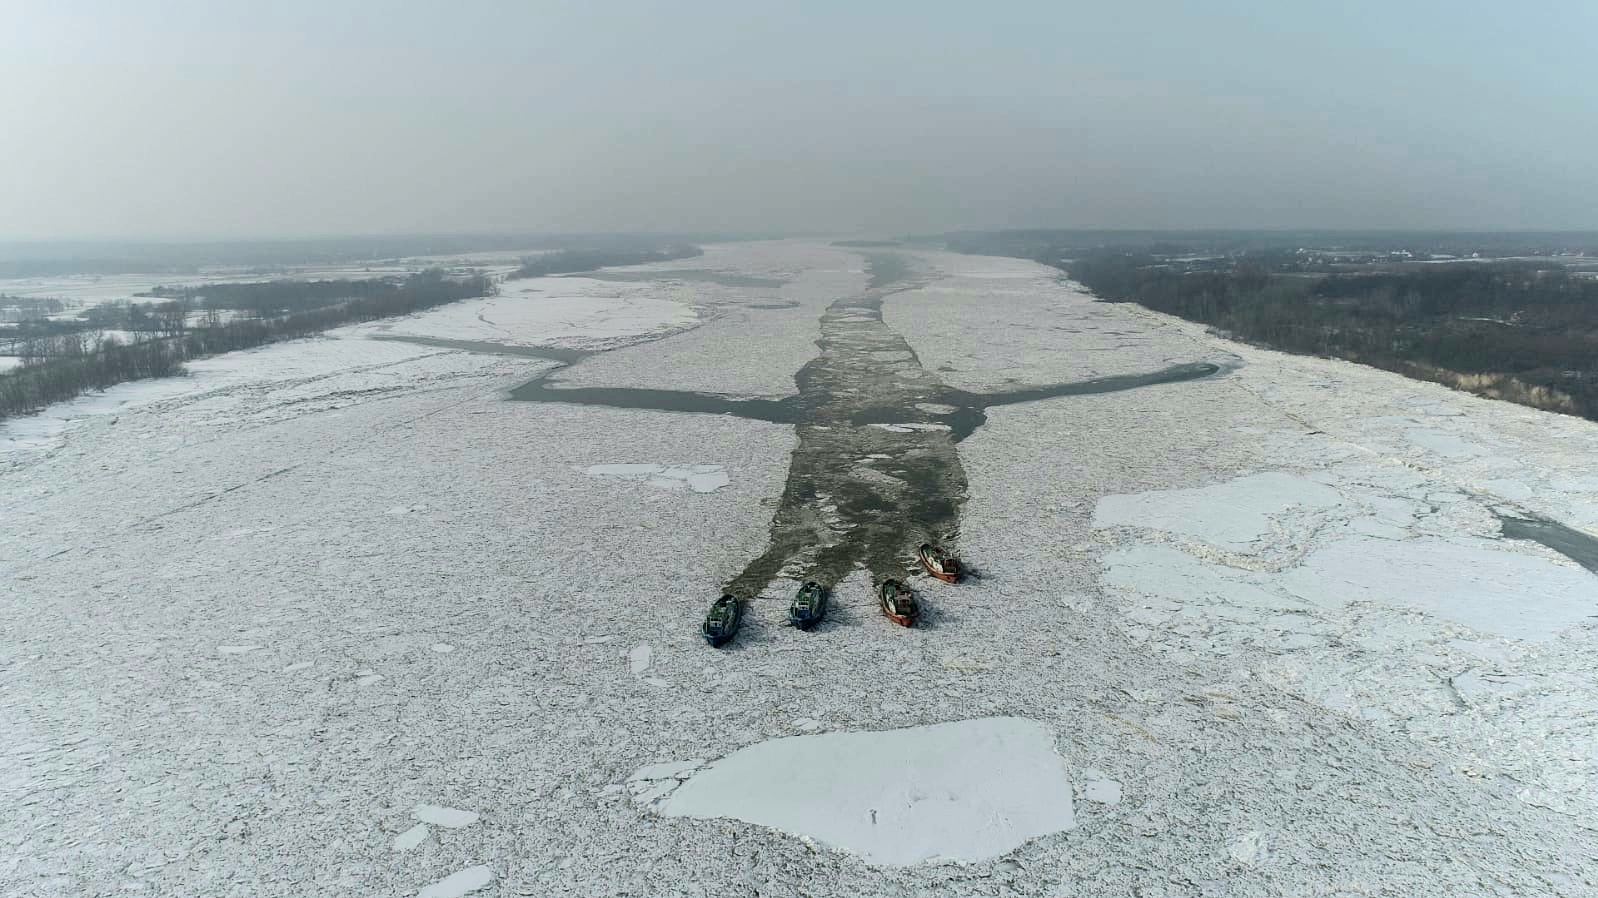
x=65 y=366
x=577 y=261
x=1522 y=327
x=62 y=360
x=269 y=258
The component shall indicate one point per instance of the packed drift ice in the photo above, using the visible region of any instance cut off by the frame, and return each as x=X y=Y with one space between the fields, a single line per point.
x=1266 y=627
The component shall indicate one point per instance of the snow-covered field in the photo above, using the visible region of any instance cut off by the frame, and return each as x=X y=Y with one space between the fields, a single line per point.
x=81 y=291
x=332 y=617
x=567 y=312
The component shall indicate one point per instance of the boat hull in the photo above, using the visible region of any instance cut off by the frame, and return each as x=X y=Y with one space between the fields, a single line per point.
x=948 y=570
x=806 y=614
x=719 y=632
x=802 y=622
x=898 y=604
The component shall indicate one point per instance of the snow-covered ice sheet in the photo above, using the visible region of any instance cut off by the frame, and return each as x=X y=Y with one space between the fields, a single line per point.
x=750 y=341
x=1234 y=515
x=1489 y=585
x=460 y=883
x=964 y=791
x=567 y=312
x=1478 y=585
x=339 y=359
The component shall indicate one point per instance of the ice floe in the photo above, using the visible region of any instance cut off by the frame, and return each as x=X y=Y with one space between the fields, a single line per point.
x=699 y=478
x=911 y=427
x=1166 y=573
x=1251 y=849
x=963 y=791
x=236 y=649
x=411 y=838
x=1400 y=605
x=1473 y=583
x=575 y=312
x=1443 y=443
x=1232 y=515
x=1097 y=787
x=457 y=884
x=639 y=659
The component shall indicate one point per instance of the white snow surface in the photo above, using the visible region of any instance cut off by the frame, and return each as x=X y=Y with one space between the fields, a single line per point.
x=963 y=791
x=83 y=290
x=569 y=312
x=1234 y=515
x=1480 y=586
x=410 y=838
x=460 y=883
x=1304 y=706
x=639 y=659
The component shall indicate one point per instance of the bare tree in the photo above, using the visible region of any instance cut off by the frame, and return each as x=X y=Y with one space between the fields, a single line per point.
x=173 y=317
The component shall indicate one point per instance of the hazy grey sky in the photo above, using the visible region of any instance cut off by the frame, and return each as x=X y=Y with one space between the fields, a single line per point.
x=210 y=118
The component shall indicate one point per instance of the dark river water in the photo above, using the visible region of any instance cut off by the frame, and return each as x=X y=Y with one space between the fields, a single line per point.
x=1573 y=544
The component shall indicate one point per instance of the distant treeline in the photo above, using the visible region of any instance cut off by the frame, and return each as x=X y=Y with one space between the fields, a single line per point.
x=280 y=296
x=20 y=308
x=79 y=257
x=1525 y=333
x=175 y=304
x=573 y=261
x=42 y=379
x=50 y=268
x=1053 y=245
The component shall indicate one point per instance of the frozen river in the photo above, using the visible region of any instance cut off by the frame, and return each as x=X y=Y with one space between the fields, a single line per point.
x=342 y=616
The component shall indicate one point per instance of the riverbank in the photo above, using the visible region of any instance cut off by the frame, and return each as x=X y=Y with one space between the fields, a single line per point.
x=32 y=387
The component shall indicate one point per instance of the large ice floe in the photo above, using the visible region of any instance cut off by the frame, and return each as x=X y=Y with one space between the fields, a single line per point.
x=964 y=791
x=1388 y=597
x=574 y=312
x=1470 y=582
x=1231 y=515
